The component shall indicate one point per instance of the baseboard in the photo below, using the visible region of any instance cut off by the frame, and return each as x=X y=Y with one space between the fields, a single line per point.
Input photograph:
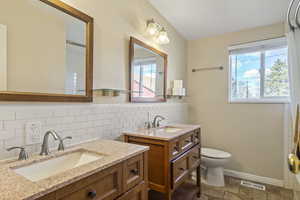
x=255 y=178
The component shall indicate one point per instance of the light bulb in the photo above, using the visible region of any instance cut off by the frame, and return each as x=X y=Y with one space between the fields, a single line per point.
x=163 y=38
x=152 y=27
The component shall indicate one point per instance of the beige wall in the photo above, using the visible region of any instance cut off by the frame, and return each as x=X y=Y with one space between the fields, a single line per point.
x=251 y=132
x=3 y=58
x=115 y=22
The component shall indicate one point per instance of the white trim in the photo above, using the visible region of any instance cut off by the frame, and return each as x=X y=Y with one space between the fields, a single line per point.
x=258 y=45
x=255 y=178
x=260 y=101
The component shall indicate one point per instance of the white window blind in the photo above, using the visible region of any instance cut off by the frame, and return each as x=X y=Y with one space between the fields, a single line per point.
x=263 y=45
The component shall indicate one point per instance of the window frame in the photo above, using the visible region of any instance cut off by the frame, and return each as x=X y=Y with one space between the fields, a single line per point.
x=262 y=99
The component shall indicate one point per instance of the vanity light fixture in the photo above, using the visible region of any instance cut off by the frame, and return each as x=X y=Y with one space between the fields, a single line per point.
x=152 y=27
x=162 y=37
x=158 y=31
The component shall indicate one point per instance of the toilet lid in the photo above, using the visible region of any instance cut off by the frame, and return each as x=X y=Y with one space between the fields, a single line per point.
x=214 y=153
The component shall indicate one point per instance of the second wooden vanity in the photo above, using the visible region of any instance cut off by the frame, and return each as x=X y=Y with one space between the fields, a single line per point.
x=175 y=152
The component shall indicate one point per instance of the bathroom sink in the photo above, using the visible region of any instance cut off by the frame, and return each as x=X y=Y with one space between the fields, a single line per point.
x=169 y=129
x=45 y=169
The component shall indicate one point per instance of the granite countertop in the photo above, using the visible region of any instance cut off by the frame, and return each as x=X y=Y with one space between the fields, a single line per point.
x=161 y=133
x=17 y=187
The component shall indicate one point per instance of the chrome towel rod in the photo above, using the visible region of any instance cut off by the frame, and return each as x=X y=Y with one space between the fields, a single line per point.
x=208 y=68
x=76 y=44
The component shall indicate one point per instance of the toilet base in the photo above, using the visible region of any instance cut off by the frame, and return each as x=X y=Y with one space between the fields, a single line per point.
x=215 y=177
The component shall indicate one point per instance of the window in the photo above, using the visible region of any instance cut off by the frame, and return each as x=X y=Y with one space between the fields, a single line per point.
x=145 y=77
x=259 y=72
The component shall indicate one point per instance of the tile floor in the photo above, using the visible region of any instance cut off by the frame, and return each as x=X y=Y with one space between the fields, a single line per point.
x=234 y=191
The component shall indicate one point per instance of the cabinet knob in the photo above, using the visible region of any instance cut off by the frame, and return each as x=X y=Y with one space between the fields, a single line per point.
x=181 y=169
x=134 y=171
x=92 y=194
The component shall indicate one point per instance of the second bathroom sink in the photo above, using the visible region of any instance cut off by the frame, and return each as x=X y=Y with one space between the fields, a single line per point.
x=170 y=129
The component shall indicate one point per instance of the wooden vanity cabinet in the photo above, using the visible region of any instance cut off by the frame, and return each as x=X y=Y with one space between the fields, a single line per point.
x=124 y=181
x=171 y=162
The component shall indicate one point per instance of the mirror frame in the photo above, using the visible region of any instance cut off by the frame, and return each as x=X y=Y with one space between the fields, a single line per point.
x=52 y=97
x=132 y=99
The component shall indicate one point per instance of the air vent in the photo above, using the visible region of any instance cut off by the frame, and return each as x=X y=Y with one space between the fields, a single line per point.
x=253 y=185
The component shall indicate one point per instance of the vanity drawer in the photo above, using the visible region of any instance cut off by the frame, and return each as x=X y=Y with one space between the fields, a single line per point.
x=137 y=193
x=180 y=170
x=133 y=172
x=106 y=185
x=187 y=141
x=194 y=157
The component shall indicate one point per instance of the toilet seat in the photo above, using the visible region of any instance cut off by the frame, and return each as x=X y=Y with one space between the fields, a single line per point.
x=214 y=153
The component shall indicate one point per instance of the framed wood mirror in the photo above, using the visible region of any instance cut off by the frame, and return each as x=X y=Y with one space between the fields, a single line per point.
x=46 y=52
x=148 y=73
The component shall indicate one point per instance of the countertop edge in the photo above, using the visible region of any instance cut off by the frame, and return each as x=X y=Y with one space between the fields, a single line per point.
x=189 y=127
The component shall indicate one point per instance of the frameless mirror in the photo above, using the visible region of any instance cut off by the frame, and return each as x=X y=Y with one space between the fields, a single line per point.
x=148 y=73
x=45 y=51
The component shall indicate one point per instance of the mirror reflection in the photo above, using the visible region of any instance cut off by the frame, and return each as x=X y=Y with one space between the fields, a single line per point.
x=42 y=49
x=147 y=74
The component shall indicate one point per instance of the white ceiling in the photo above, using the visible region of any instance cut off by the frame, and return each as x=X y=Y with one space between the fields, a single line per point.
x=201 y=18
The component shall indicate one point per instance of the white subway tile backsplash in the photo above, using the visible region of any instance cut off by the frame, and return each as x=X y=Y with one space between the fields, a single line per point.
x=18 y=140
x=82 y=122
x=34 y=114
x=7 y=115
x=5 y=134
x=60 y=112
x=16 y=124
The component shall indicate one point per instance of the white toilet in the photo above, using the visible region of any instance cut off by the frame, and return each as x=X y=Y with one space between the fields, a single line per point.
x=214 y=161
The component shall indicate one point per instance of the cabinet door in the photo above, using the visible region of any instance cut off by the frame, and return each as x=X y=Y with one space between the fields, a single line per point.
x=140 y=192
x=133 y=172
x=105 y=185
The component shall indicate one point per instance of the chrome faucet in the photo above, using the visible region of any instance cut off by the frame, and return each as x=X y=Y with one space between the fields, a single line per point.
x=148 y=123
x=23 y=154
x=156 y=121
x=45 y=145
x=61 y=146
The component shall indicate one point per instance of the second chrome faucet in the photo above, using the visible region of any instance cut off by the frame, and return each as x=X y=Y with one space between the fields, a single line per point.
x=155 y=123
